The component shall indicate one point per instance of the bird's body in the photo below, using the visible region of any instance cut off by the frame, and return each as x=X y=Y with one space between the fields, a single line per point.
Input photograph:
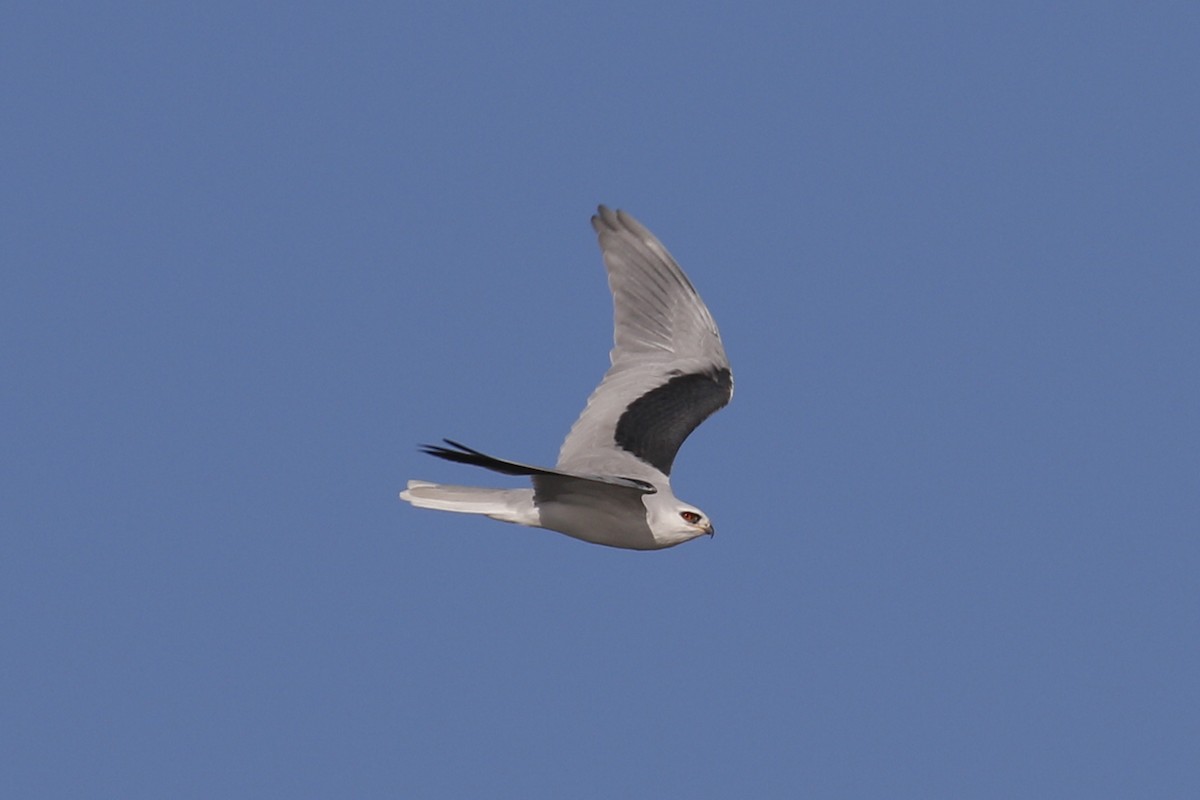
x=669 y=372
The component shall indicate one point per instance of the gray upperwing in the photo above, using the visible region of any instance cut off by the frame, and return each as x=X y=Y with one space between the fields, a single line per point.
x=669 y=369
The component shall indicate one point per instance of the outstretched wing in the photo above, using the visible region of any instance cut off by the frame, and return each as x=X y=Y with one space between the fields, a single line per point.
x=461 y=454
x=669 y=371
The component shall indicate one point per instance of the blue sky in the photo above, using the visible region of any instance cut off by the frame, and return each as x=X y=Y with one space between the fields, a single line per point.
x=254 y=255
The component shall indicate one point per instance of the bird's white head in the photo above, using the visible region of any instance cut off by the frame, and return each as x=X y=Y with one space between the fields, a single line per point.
x=673 y=521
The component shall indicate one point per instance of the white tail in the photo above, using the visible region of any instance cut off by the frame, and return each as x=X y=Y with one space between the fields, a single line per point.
x=507 y=505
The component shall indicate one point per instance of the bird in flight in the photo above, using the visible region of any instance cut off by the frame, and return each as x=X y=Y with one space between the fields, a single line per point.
x=669 y=373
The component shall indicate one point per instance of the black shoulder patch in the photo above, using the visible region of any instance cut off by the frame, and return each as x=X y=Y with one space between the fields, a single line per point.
x=655 y=425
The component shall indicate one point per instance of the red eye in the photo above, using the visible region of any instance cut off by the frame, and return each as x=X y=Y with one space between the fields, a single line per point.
x=690 y=517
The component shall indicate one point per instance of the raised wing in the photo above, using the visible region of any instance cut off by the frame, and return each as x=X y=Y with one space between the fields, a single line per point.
x=669 y=371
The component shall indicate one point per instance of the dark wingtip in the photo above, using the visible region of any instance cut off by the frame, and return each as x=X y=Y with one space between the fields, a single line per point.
x=461 y=454
x=439 y=451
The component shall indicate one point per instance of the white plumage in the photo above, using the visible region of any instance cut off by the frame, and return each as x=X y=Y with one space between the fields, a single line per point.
x=669 y=372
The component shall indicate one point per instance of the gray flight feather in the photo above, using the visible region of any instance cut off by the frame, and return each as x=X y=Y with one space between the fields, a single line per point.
x=669 y=371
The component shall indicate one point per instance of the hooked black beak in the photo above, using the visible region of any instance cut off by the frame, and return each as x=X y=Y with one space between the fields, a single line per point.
x=710 y=530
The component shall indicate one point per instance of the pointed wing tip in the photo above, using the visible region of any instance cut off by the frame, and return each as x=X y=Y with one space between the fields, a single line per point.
x=450 y=442
x=615 y=222
x=604 y=219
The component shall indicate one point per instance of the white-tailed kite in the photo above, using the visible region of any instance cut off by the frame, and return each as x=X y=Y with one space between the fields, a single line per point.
x=669 y=373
